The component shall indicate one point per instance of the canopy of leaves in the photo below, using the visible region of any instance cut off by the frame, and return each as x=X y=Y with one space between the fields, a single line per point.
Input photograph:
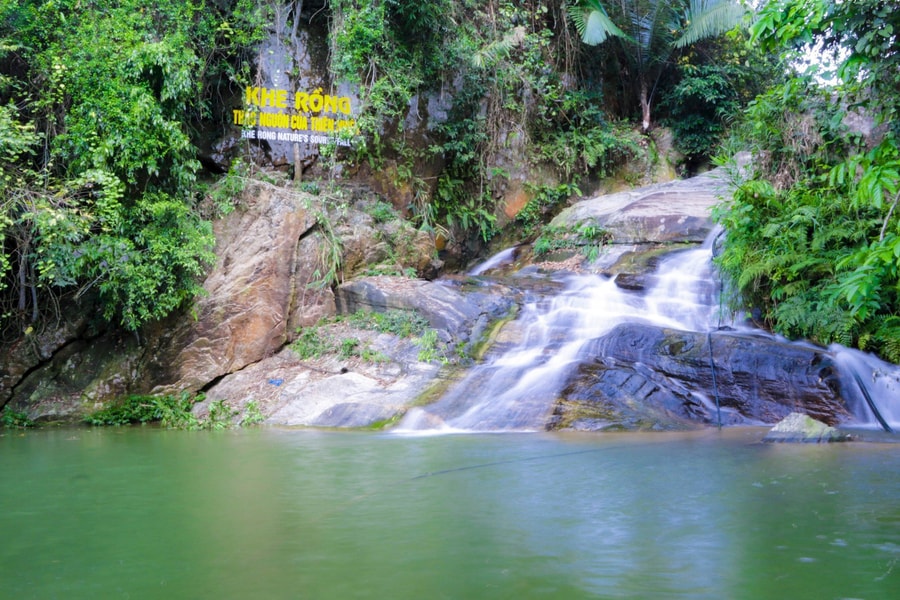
x=713 y=82
x=98 y=103
x=649 y=31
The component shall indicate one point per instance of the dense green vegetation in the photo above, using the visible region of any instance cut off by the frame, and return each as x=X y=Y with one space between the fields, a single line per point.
x=518 y=77
x=649 y=31
x=813 y=240
x=102 y=104
x=99 y=106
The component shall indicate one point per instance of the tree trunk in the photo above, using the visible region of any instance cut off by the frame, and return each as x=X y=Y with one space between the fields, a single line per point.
x=645 y=108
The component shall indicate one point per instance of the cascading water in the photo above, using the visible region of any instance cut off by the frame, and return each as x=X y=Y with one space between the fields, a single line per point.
x=514 y=389
x=871 y=388
x=517 y=384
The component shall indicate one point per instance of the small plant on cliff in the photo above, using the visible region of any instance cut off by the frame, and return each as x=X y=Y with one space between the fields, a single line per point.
x=310 y=344
x=225 y=195
x=430 y=348
x=252 y=414
x=545 y=199
x=382 y=212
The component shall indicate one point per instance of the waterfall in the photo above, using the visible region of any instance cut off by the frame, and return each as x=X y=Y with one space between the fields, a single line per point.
x=871 y=388
x=521 y=379
x=501 y=258
x=515 y=388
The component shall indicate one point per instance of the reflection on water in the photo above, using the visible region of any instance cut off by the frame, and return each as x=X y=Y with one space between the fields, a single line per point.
x=147 y=513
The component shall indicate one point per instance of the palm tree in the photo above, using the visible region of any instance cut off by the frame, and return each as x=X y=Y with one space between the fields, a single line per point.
x=651 y=30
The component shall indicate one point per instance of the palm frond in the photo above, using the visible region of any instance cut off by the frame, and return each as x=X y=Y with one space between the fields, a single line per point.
x=652 y=30
x=497 y=50
x=593 y=23
x=708 y=18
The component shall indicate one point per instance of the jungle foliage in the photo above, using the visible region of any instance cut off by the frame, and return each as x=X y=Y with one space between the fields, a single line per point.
x=813 y=239
x=512 y=72
x=710 y=86
x=648 y=32
x=100 y=101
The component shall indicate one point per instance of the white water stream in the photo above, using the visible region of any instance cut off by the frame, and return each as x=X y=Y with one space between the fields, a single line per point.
x=517 y=384
x=515 y=389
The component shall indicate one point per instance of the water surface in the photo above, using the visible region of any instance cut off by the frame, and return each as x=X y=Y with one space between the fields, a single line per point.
x=270 y=513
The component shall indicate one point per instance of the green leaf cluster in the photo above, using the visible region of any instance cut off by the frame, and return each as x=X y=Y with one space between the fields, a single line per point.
x=99 y=105
x=813 y=234
x=173 y=412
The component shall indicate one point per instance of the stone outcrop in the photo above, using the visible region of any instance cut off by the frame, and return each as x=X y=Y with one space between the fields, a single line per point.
x=676 y=211
x=251 y=295
x=35 y=348
x=643 y=376
x=332 y=392
x=353 y=391
x=267 y=284
x=455 y=316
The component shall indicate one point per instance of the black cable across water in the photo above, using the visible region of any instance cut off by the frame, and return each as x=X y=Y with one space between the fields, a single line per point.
x=871 y=403
x=712 y=367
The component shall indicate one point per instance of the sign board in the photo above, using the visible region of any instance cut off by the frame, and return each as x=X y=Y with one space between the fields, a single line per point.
x=304 y=117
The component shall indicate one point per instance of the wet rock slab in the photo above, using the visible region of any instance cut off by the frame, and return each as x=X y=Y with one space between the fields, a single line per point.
x=642 y=376
x=331 y=392
x=352 y=391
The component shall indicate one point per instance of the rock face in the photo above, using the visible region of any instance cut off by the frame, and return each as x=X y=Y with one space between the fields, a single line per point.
x=677 y=211
x=455 y=316
x=262 y=290
x=644 y=376
x=29 y=352
x=333 y=392
x=353 y=391
x=251 y=295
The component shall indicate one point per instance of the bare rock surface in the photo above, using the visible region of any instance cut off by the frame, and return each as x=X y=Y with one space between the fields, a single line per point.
x=676 y=211
x=330 y=392
x=385 y=374
x=249 y=295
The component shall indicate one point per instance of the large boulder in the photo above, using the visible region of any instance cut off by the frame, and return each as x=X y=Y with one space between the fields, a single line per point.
x=676 y=211
x=797 y=427
x=250 y=295
x=364 y=388
x=643 y=376
x=331 y=391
